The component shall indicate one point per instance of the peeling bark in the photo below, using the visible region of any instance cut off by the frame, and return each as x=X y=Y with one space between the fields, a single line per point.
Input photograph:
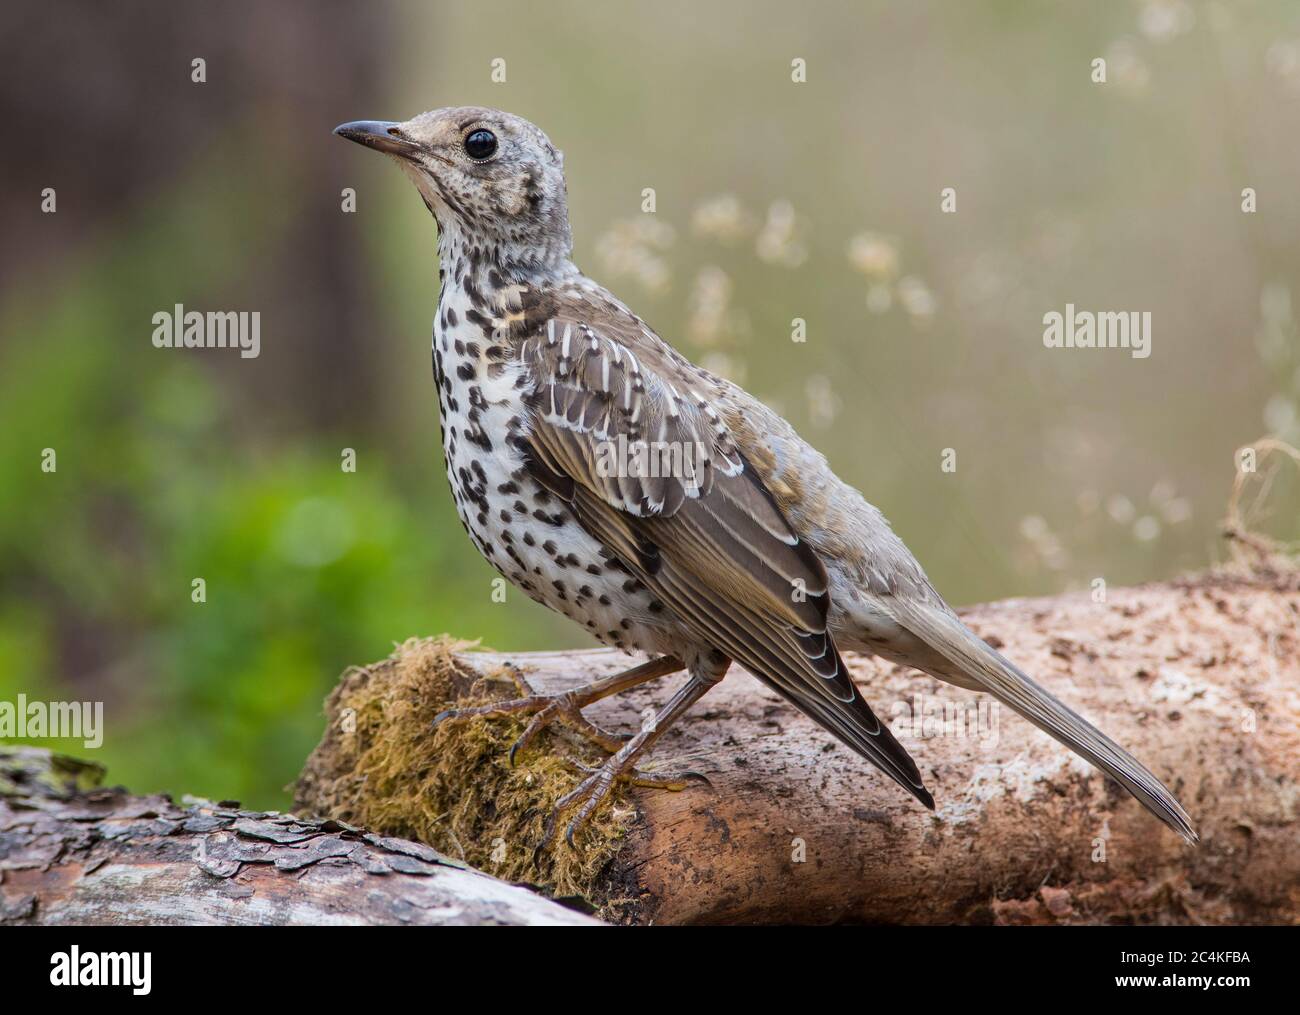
x=71 y=853
x=1201 y=679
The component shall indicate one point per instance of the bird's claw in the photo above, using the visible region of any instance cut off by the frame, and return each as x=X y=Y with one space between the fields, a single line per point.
x=598 y=784
x=643 y=779
x=545 y=709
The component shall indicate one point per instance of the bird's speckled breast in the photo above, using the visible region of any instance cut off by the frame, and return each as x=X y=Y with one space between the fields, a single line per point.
x=525 y=532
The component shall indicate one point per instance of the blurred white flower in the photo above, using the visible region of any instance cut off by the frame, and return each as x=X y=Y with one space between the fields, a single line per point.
x=779 y=241
x=1120 y=508
x=875 y=255
x=1125 y=67
x=1161 y=492
x=712 y=321
x=722 y=218
x=1161 y=20
x=1044 y=542
x=916 y=297
x=631 y=247
x=1033 y=527
x=1282 y=416
x=1146 y=529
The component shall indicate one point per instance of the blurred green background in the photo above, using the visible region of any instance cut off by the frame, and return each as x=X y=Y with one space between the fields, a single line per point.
x=774 y=200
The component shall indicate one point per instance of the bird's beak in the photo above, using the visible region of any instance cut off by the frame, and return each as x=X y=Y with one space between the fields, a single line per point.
x=381 y=135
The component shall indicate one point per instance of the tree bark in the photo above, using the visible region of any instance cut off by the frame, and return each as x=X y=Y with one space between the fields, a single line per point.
x=74 y=854
x=1200 y=679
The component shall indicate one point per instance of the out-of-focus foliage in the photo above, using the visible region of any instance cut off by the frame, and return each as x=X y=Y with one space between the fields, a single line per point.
x=162 y=477
x=774 y=201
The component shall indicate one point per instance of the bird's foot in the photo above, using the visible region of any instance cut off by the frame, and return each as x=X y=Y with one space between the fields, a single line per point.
x=600 y=780
x=673 y=781
x=545 y=710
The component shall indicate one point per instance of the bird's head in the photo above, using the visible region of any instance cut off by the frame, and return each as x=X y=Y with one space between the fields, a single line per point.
x=491 y=179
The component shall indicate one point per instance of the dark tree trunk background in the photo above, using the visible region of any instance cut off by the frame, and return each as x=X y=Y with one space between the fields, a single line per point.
x=98 y=98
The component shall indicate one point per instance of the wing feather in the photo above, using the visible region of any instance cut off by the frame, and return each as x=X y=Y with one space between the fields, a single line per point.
x=710 y=542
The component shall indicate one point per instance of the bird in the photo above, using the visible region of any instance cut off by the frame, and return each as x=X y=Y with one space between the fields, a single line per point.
x=659 y=506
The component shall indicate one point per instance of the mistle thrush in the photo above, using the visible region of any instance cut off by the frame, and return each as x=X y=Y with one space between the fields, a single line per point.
x=748 y=549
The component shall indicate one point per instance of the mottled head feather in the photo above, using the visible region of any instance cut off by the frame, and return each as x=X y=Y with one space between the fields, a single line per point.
x=511 y=205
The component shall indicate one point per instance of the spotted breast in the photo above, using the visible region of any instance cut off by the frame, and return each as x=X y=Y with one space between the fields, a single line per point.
x=517 y=524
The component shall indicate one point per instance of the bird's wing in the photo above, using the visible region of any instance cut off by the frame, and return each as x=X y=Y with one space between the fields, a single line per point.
x=708 y=539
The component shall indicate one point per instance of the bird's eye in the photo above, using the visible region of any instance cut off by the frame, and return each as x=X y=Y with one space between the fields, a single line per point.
x=480 y=144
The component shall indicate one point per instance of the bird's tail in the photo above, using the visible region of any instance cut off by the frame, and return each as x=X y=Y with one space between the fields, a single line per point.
x=946 y=634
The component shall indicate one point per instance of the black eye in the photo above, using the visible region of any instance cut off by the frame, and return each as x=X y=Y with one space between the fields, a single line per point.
x=480 y=144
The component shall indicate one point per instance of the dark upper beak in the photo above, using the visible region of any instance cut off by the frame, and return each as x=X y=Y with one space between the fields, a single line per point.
x=380 y=135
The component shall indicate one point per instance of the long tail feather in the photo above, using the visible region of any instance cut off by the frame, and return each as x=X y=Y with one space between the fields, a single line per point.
x=946 y=634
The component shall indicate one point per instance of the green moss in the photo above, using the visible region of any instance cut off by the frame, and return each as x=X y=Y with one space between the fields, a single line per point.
x=380 y=765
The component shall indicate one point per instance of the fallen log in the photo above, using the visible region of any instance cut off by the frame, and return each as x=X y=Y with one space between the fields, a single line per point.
x=1199 y=678
x=74 y=853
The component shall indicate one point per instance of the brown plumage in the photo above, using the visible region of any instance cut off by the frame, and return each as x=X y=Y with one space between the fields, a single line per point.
x=747 y=549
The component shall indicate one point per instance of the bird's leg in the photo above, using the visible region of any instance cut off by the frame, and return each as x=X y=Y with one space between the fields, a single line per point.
x=596 y=786
x=566 y=706
x=649 y=780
